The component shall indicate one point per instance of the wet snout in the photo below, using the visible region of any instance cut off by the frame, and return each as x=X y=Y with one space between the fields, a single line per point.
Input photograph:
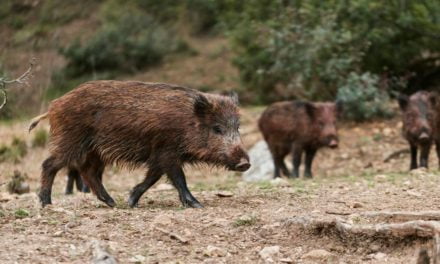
x=243 y=165
x=424 y=137
x=333 y=143
x=239 y=160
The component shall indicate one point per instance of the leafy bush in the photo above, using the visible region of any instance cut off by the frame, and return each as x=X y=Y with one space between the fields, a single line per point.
x=362 y=99
x=131 y=43
x=307 y=49
x=13 y=152
x=40 y=138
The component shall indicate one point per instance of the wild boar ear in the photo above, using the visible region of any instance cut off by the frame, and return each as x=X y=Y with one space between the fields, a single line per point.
x=234 y=97
x=231 y=94
x=433 y=98
x=201 y=105
x=310 y=109
x=403 y=101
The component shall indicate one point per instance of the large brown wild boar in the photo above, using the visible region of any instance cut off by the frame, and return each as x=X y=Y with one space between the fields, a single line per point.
x=132 y=123
x=420 y=125
x=296 y=127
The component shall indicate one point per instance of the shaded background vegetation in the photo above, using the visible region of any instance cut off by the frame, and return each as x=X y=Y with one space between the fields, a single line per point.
x=361 y=52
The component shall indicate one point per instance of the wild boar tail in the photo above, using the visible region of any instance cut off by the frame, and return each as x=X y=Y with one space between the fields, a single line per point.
x=36 y=120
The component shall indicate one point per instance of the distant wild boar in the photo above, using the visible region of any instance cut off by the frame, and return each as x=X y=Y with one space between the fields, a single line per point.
x=296 y=127
x=73 y=178
x=161 y=126
x=421 y=125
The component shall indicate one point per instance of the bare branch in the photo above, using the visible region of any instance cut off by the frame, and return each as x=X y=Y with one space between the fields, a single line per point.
x=396 y=154
x=5 y=98
x=23 y=79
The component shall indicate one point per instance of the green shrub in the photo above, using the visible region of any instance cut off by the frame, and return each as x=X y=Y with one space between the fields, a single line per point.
x=132 y=42
x=40 y=138
x=21 y=213
x=14 y=152
x=362 y=99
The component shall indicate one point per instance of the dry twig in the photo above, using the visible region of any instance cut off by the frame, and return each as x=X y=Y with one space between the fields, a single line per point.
x=396 y=154
x=23 y=79
x=183 y=240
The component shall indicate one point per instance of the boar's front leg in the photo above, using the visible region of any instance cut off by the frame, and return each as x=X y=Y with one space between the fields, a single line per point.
x=424 y=155
x=71 y=177
x=296 y=160
x=310 y=155
x=437 y=148
x=153 y=175
x=413 y=164
x=177 y=177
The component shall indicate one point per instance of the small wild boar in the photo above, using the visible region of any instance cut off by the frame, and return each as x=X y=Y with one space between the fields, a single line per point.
x=73 y=178
x=420 y=125
x=160 y=126
x=296 y=127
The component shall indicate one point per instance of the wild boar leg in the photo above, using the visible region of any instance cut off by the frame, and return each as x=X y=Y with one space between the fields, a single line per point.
x=437 y=148
x=177 y=177
x=50 y=168
x=424 y=155
x=413 y=157
x=310 y=155
x=90 y=171
x=72 y=175
x=296 y=160
x=153 y=175
x=284 y=167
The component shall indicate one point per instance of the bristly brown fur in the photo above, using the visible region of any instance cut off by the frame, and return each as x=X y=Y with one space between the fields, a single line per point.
x=421 y=115
x=297 y=126
x=132 y=123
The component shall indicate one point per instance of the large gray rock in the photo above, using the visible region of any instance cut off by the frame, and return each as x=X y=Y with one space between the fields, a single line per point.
x=261 y=161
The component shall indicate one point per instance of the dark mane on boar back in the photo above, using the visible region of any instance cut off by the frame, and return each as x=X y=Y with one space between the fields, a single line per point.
x=131 y=123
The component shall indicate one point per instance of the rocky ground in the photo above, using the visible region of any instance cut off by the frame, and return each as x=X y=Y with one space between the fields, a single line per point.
x=242 y=222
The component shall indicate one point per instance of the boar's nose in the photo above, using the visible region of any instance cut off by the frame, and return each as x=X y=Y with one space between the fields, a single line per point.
x=424 y=137
x=333 y=143
x=243 y=165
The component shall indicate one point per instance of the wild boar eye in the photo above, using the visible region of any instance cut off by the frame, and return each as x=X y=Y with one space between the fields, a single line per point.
x=217 y=129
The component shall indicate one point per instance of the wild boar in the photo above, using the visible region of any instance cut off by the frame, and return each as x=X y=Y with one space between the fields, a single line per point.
x=296 y=127
x=161 y=126
x=420 y=125
x=73 y=178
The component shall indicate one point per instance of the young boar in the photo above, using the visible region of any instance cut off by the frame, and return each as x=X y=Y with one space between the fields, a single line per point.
x=131 y=123
x=297 y=127
x=420 y=125
x=73 y=178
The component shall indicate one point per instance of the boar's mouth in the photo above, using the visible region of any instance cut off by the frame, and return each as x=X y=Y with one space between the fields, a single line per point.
x=241 y=166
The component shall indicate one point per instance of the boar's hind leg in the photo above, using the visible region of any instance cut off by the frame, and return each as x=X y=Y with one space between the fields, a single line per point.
x=310 y=154
x=413 y=164
x=72 y=175
x=153 y=175
x=424 y=155
x=177 y=177
x=50 y=168
x=296 y=160
x=91 y=172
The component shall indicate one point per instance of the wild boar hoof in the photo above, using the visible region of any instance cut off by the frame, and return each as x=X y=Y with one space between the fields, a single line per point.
x=132 y=201
x=192 y=204
x=44 y=199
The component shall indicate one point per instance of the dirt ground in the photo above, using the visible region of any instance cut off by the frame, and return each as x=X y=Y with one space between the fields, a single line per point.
x=233 y=229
